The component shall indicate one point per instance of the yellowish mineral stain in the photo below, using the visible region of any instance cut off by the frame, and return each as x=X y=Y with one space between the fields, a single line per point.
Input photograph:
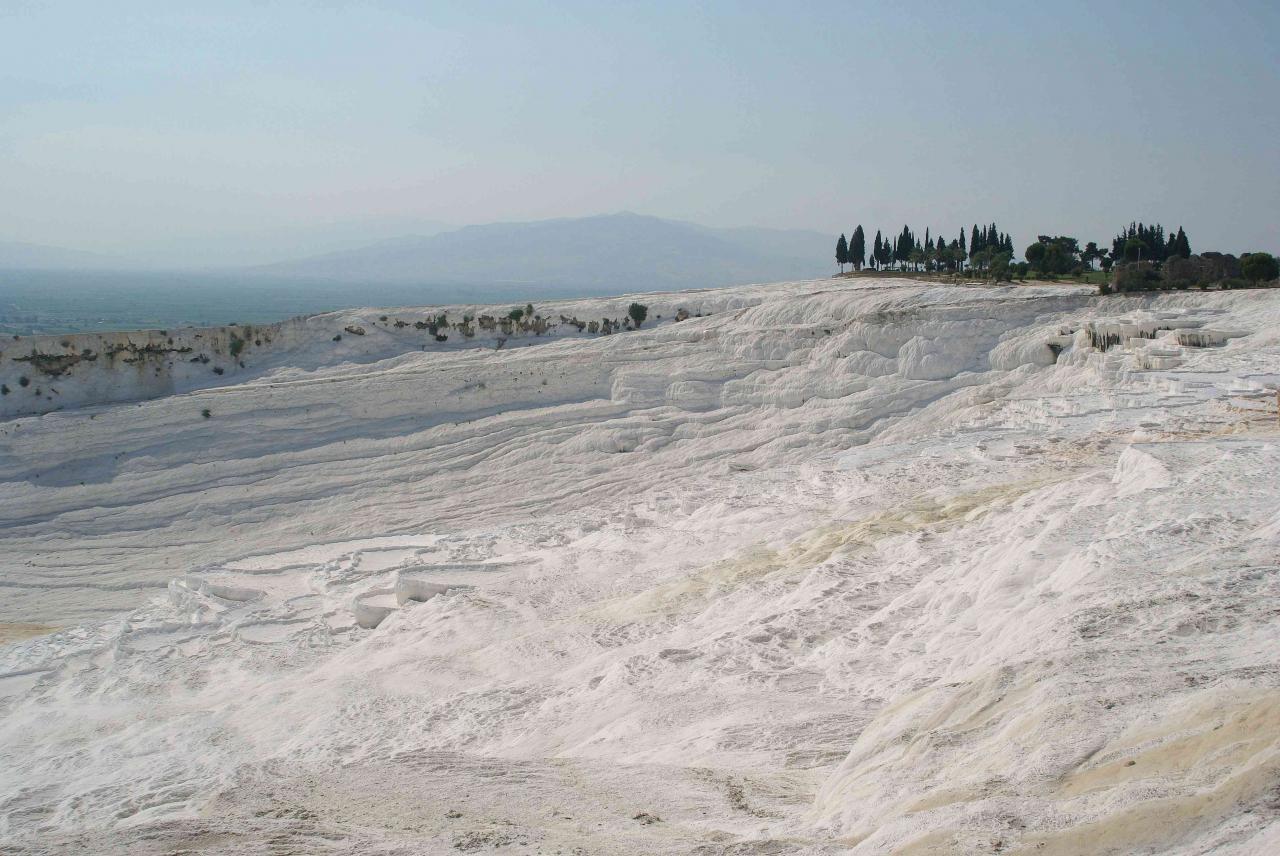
x=15 y=632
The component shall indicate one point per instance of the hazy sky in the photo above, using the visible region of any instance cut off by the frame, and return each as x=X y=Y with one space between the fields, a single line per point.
x=236 y=132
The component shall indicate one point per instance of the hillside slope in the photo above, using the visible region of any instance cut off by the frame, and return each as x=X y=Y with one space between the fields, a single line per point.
x=886 y=568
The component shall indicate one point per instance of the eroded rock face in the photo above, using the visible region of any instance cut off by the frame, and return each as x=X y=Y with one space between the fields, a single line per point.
x=76 y=370
x=92 y=368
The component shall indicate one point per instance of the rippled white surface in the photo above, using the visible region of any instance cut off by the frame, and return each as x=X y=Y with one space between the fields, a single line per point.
x=898 y=568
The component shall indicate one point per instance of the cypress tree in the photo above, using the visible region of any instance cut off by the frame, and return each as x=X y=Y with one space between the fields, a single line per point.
x=877 y=249
x=858 y=248
x=974 y=246
x=1183 y=245
x=842 y=253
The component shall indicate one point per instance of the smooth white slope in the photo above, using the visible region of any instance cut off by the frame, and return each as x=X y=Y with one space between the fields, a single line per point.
x=912 y=569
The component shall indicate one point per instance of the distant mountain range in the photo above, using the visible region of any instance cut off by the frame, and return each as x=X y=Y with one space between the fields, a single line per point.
x=606 y=253
x=15 y=255
x=627 y=251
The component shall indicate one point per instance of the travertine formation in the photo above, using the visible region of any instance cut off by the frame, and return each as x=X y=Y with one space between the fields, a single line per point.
x=819 y=568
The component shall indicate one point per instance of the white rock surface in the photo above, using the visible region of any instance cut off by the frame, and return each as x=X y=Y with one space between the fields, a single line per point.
x=872 y=568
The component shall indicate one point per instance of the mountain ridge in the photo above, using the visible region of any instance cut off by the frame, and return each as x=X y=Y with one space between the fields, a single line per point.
x=619 y=249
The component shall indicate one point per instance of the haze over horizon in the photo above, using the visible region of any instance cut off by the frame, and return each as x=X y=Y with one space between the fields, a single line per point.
x=257 y=133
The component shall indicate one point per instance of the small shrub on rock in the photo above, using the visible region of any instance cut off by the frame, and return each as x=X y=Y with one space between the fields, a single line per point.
x=638 y=312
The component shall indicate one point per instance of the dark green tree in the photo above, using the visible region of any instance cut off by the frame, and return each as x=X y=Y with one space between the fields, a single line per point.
x=842 y=252
x=858 y=248
x=1182 y=247
x=1000 y=271
x=638 y=312
x=1259 y=267
x=1155 y=246
x=909 y=243
x=1089 y=254
x=1035 y=254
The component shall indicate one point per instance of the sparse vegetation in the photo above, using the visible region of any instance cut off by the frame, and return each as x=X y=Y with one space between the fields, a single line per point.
x=206 y=413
